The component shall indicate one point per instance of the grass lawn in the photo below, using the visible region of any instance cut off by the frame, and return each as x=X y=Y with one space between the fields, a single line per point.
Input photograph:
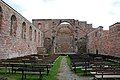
x=69 y=62
x=51 y=76
x=54 y=70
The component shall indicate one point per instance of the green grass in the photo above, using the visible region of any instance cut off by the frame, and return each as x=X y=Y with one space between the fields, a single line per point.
x=54 y=70
x=51 y=76
x=69 y=61
x=49 y=53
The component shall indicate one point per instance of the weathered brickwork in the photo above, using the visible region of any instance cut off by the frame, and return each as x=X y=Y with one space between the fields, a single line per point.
x=17 y=34
x=105 y=41
x=19 y=37
x=94 y=40
x=64 y=31
x=114 y=39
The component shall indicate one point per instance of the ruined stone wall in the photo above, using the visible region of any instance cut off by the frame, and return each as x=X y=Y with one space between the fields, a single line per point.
x=107 y=42
x=44 y=25
x=83 y=29
x=80 y=28
x=114 y=38
x=51 y=27
x=15 y=34
x=95 y=41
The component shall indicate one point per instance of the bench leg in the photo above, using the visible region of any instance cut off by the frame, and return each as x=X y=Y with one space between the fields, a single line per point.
x=74 y=69
x=47 y=70
x=102 y=75
x=25 y=75
x=12 y=69
x=85 y=72
x=22 y=75
x=40 y=75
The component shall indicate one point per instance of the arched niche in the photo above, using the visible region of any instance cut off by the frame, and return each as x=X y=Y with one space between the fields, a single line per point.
x=30 y=33
x=35 y=35
x=1 y=17
x=23 y=34
x=13 y=25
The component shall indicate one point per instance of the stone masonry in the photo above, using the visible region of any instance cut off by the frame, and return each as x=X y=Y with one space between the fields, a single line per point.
x=19 y=37
x=105 y=42
x=15 y=33
x=65 y=32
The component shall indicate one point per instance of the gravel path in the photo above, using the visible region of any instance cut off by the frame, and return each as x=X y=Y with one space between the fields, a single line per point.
x=66 y=74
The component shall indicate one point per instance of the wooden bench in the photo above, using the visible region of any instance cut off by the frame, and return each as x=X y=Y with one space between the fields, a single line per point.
x=80 y=61
x=31 y=69
x=27 y=65
x=106 y=70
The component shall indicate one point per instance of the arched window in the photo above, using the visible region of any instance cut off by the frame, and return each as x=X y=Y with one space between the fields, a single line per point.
x=0 y=9
x=39 y=25
x=30 y=33
x=96 y=34
x=23 y=34
x=13 y=26
x=38 y=37
x=0 y=17
x=35 y=35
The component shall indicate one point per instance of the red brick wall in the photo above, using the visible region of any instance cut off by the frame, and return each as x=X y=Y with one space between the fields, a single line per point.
x=94 y=40
x=107 y=41
x=13 y=46
x=78 y=28
x=114 y=38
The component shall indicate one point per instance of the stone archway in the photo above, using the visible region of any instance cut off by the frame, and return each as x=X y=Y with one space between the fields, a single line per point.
x=64 y=37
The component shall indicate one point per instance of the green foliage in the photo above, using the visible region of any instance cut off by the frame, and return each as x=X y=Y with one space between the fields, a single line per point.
x=49 y=52
x=54 y=70
x=69 y=62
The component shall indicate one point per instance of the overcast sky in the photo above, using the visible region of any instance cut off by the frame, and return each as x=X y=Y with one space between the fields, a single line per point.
x=97 y=12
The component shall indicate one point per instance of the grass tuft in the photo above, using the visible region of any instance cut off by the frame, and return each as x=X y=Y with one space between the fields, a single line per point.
x=54 y=70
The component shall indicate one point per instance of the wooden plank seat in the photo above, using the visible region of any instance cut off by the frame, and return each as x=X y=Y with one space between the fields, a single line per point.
x=15 y=64
x=29 y=66
x=81 y=61
x=84 y=66
x=106 y=74
x=34 y=70
x=29 y=63
x=106 y=70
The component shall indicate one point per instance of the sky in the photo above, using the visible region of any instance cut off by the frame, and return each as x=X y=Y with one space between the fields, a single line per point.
x=97 y=12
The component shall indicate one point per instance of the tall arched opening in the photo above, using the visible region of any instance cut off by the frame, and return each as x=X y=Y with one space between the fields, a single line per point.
x=64 y=38
x=13 y=26
x=1 y=17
